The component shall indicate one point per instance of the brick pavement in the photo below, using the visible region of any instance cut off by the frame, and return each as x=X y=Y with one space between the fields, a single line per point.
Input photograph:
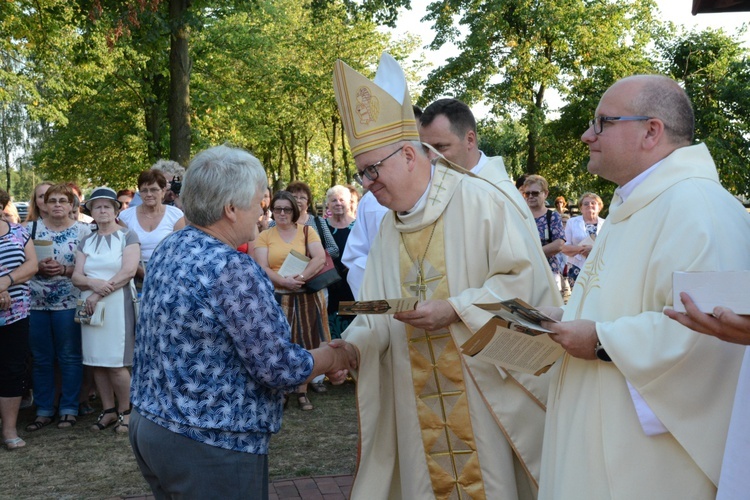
x=306 y=488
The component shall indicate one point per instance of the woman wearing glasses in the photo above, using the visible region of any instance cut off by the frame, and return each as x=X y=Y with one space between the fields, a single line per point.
x=580 y=233
x=307 y=217
x=151 y=220
x=54 y=338
x=306 y=312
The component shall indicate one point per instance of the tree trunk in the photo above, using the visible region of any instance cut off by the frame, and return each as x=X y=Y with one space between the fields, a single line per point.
x=535 y=124
x=179 y=85
x=345 y=158
x=333 y=143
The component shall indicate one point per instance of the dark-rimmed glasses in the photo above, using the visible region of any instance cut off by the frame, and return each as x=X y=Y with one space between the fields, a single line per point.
x=531 y=194
x=282 y=210
x=371 y=172
x=598 y=122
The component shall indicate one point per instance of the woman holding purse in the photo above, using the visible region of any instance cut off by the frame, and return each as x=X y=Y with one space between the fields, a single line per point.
x=306 y=312
x=106 y=262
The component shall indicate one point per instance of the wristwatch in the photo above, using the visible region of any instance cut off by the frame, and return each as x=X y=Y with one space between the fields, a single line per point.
x=601 y=353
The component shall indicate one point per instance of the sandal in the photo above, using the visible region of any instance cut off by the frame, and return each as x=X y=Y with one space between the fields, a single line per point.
x=99 y=426
x=304 y=403
x=318 y=387
x=66 y=422
x=39 y=423
x=15 y=443
x=122 y=426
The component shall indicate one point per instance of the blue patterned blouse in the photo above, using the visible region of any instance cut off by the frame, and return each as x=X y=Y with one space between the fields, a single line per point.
x=212 y=353
x=549 y=233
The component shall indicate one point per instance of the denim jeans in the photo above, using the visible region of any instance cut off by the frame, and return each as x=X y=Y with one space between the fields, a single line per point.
x=55 y=337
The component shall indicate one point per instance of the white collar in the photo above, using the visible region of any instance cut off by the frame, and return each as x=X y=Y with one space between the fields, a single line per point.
x=422 y=201
x=480 y=164
x=626 y=190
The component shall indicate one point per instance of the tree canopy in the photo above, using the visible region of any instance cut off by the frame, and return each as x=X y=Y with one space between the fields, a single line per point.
x=96 y=90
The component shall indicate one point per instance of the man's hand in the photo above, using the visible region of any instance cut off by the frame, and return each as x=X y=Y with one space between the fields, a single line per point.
x=430 y=315
x=577 y=337
x=553 y=312
x=724 y=324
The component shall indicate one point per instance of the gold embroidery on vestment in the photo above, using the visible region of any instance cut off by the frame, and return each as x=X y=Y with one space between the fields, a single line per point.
x=439 y=388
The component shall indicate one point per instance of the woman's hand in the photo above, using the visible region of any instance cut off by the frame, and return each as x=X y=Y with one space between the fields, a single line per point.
x=4 y=301
x=91 y=302
x=50 y=267
x=294 y=282
x=585 y=250
x=101 y=287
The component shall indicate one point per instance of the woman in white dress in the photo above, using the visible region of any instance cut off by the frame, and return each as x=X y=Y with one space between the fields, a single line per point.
x=106 y=262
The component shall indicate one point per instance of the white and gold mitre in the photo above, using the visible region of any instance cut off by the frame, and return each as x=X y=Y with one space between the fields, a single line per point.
x=374 y=113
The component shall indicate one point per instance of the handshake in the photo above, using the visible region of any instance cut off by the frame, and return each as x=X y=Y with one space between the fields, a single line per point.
x=335 y=359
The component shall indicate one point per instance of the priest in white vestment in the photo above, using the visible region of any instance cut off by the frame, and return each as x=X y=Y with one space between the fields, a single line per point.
x=639 y=405
x=434 y=423
x=449 y=126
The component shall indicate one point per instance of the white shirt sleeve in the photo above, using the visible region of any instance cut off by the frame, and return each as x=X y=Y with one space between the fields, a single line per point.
x=369 y=215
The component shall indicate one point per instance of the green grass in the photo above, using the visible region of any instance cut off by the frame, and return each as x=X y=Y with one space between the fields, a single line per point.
x=78 y=463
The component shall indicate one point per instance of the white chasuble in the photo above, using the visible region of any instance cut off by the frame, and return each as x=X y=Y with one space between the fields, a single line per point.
x=595 y=447
x=434 y=423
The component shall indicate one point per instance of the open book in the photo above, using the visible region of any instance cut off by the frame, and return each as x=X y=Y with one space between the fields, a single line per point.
x=514 y=338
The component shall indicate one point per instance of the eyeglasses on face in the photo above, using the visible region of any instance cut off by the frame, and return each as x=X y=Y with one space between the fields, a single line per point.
x=300 y=197
x=598 y=122
x=531 y=194
x=58 y=201
x=283 y=210
x=371 y=171
x=151 y=190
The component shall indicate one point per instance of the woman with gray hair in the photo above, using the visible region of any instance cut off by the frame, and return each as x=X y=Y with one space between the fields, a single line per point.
x=580 y=234
x=340 y=224
x=106 y=262
x=213 y=357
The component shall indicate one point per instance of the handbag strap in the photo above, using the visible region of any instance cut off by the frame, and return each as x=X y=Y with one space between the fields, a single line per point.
x=320 y=228
x=307 y=250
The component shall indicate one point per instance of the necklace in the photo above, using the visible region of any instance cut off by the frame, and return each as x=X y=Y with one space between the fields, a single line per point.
x=156 y=214
x=419 y=287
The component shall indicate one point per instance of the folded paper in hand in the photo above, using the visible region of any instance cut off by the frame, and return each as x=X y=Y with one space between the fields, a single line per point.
x=514 y=339
x=96 y=319
x=44 y=250
x=383 y=306
x=713 y=288
x=294 y=264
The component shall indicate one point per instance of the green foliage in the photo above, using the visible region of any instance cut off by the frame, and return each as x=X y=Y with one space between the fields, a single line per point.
x=506 y=138
x=715 y=72
x=515 y=51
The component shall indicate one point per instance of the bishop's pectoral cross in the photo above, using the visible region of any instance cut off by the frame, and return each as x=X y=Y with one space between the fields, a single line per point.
x=421 y=284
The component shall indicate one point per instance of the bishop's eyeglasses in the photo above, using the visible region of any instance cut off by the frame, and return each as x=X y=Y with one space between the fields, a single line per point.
x=371 y=171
